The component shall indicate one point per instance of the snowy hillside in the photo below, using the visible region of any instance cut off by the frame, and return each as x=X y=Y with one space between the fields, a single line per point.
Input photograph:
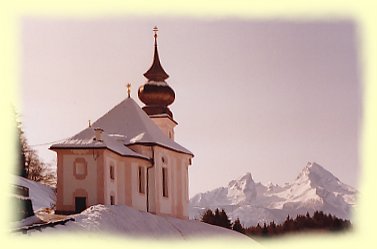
x=126 y=221
x=42 y=196
x=315 y=188
x=121 y=220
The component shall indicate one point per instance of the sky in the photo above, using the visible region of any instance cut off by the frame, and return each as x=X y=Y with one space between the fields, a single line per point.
x=252 y=95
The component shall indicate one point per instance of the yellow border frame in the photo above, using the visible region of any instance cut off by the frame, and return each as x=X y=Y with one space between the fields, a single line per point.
x=363 y=12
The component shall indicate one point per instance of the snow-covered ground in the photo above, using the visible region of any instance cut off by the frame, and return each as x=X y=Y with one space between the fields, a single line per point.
x=315 y=188
x=132 y=223
x=42 y=196
x=119 y=219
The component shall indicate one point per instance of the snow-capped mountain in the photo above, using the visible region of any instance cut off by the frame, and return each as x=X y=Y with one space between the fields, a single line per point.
x=315 y=188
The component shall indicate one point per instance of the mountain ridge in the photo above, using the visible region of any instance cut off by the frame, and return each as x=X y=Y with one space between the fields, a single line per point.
x=315 y=188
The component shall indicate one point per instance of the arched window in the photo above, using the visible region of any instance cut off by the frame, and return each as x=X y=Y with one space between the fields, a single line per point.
x=165 y=191
x=141 y=180
x=112 y=175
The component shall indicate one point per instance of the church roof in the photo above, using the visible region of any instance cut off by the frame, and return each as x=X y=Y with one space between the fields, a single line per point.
x=125 y=124
x=86 y=139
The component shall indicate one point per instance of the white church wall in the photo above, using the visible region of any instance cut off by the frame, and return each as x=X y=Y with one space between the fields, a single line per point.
x=152 y=190
x=165 y=203
x=165 y=124
x=176 y=182
x=121 y=186
x=138 y=199
x=110 y=184
x=71 y=184
x=125 y=185
x=176 y=204
x=185 y=187
x=142 y=149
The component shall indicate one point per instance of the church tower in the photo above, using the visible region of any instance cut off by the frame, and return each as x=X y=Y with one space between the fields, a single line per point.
x=157 y=95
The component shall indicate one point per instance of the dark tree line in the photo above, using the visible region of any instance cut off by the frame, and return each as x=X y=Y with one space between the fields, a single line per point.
x=221 y=219
x=318 y=221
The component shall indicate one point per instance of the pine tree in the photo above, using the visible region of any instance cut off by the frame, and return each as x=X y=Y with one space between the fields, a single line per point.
x=238 y=227
x=272 y=228
x=264 y=230
x=288 y=224
x=217 y=217
x=224 y=220
x=208 y=217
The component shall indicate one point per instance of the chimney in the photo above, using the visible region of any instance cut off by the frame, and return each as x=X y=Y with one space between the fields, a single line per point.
x=99 y=132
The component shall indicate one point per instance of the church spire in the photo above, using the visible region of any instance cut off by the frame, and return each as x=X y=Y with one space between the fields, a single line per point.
x=156 y=72
x=156 y=94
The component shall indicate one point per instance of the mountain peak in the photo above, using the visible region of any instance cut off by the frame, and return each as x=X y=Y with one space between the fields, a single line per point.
x=244 y=180
x=314 y=171
x=313 y=166
x=247 y=177
x=315 y=188
x=317 y=177
x=242 y=189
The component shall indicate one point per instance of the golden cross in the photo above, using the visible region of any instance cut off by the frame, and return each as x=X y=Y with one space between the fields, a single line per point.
x=129 y=89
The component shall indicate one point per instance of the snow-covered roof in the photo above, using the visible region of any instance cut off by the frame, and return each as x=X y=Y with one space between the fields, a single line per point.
x=125 y=124
x=86 y=139
x=42 y=196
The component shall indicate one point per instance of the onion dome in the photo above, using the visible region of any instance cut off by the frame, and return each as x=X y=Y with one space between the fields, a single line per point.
x=156 y=94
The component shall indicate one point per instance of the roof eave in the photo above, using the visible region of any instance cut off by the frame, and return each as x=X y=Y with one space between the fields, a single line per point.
x=54 y=148
x=161 y=145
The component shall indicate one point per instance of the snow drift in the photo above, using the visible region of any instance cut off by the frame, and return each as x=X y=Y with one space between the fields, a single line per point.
x=132 y=223
x=42 y=196
x=121 y=220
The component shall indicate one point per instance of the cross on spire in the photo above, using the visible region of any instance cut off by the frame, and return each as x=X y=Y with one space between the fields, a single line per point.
x=155 y=30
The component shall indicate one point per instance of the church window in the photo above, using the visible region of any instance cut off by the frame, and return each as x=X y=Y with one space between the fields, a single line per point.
x=164 y=160
x=141 y=180
x=164 y=182
x=112 y=200
x=112 y=177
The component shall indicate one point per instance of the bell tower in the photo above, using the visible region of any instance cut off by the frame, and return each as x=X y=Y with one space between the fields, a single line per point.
x=157 y=95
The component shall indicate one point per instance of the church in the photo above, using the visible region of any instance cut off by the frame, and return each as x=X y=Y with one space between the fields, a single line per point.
x=128 y=156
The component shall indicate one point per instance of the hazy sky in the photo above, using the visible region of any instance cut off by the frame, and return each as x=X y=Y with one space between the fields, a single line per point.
x=260 y=96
